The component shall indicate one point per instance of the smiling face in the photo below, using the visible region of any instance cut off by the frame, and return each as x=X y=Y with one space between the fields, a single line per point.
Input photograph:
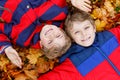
x=83 y=33
x=53 y=40
x=52 y=35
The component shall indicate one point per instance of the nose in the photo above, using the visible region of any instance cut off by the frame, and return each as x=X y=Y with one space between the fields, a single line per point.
x=83 y=33
x=59 y=40
x=50 y=35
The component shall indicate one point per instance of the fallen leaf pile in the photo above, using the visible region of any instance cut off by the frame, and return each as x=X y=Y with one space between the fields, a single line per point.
x=106 y=14
x=34 y=65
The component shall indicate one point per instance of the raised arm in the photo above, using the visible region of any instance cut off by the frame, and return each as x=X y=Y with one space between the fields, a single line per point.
x=84 y=5
x=51 y=11
x=6 y=13
x=6 y=47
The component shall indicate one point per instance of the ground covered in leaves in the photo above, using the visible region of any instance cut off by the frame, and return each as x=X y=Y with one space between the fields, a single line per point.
x=106 y=14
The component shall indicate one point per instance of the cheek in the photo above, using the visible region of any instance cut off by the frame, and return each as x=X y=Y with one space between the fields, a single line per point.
x=76 y=39
x=63 y=42
x=73 y=37
x=60 y=41
x=44 y=41
x=93 y=32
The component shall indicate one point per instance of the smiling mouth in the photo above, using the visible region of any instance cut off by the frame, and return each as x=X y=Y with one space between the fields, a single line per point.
x=48 y=31
x=86 y=39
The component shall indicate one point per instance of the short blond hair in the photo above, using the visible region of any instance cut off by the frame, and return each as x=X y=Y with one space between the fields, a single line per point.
x=56 y=49
x=75 y=16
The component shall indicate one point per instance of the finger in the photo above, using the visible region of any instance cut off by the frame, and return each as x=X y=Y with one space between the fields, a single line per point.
x=17 y=63
x=85 y=9
x=20 y=63
x=12 y=58
x=20 y=66
x=87 y=5
x=87 y=1
x=16 y=60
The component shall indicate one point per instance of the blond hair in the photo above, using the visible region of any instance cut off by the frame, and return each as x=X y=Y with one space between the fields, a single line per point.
x=56 y=50
x=75 y=16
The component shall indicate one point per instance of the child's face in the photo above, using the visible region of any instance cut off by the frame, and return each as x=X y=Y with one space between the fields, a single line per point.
x=52 y=36
x=83 y=33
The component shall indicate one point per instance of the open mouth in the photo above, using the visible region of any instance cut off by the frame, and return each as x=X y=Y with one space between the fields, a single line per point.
x=48 y=31
x=86 y=39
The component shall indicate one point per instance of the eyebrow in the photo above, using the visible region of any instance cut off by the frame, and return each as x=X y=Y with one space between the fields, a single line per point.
x=48 y=31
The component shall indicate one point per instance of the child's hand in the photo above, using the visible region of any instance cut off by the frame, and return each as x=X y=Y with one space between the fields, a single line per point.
x=13 y=56
x=84 y=5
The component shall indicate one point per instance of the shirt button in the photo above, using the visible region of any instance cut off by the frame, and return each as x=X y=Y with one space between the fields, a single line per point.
x=28 y=6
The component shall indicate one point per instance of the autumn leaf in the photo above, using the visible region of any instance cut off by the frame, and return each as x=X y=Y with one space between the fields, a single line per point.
x=32 y=57
x=3 y=61
x=32 y=74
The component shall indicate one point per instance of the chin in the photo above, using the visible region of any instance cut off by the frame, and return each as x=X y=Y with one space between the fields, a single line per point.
x=86 y=44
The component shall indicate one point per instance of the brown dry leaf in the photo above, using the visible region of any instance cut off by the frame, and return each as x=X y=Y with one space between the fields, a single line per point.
x=33 y=58
x=36 y=51
x=3 y=61
x=14 y=72
x=32 y=74
x=33 y=55
x=7 y=75
x=103 y=12
x=21 y=77
x=52 y=63
x=29 y=67
x=42 y=65
x=110 y=8
x=100 y=25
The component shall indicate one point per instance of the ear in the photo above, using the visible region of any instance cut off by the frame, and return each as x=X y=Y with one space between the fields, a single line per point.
x=94 y=28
